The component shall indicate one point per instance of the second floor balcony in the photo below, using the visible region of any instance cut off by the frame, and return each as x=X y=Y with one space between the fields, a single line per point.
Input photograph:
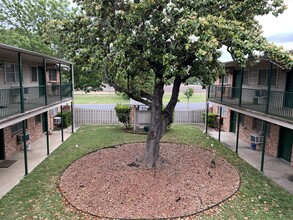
x=274 y=103
x=33 y=98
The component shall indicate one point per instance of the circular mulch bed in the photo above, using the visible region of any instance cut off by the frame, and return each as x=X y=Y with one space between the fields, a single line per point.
x=102 y=184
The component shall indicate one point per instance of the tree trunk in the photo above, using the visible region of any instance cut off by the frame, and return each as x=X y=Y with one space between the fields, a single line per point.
x=151 y=156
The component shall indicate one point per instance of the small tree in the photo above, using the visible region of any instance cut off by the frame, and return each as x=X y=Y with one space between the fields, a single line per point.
x=123 y=114
x=188 y=93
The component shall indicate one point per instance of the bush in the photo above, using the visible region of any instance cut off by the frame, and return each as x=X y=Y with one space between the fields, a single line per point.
x=66 y=119
x=173 y=115
x=211 y=119
x=123 y=114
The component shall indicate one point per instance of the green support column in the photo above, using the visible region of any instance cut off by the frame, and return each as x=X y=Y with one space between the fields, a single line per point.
x=62 y=133
x=72 y=95
x=207 y=117
x=60 y=83
x=263 y=145
x=222 y=89
x=47 y=133
x=24 y=147
x=269 y=88
x=72 y=118
x=45 y=78
x=219 y=137
x=20 y=83
x=237 y=135
x=22 y=111
x=241 y=83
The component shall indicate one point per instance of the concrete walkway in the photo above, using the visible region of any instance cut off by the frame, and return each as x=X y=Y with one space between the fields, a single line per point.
x=279 y=170
x=10 y=177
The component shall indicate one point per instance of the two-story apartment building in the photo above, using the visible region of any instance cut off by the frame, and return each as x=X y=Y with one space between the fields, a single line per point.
x=33 y=88
x=256 y=103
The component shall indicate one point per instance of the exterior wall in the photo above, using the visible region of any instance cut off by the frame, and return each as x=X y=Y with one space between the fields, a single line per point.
x=11 y=143
x=272 y=139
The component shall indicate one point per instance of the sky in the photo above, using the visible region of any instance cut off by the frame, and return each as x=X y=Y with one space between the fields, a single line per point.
x=276 y=29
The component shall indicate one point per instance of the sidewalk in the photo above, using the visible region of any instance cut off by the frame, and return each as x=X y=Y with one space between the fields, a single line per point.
x=10 y=177
x=280 y=171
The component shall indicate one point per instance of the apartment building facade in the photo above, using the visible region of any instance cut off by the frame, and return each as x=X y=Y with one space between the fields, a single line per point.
x=33 y=88
x=256 y=103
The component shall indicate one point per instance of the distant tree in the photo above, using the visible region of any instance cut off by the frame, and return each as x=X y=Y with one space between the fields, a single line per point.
x=188 y=93
x=23 y=23
x=140 y=46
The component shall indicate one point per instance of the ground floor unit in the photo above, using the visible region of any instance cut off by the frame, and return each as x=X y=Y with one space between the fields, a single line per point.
x=11 y=136
x=277 y=138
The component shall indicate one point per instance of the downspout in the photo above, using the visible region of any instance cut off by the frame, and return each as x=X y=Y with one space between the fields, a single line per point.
x=22 y=111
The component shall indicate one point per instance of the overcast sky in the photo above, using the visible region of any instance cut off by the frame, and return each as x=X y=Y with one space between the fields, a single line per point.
x=276 y=29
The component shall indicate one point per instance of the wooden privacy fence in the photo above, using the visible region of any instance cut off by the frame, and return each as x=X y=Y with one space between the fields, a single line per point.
x=95 y=116
x=108 y=116
x=189 y=117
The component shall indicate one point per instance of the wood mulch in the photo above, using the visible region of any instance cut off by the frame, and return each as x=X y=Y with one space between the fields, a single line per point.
x=102 y=184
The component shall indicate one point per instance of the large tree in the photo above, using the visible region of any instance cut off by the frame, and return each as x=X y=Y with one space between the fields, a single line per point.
x=140 y=46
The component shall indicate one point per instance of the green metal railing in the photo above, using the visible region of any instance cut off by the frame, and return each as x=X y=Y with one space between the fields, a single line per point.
x=33 y=97
x=280 y=104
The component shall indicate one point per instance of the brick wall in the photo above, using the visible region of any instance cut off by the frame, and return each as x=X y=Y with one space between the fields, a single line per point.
x=272 y=139
x=11 y=143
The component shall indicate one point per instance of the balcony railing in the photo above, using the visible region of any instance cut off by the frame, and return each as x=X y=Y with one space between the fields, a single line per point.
x=276 y=103
x=33 y=97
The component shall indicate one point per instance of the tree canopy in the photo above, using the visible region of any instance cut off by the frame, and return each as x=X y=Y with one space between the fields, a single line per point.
x=140 y=46
x=23 y=23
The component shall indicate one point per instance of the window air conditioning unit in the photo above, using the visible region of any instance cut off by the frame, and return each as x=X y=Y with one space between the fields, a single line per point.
x=255 y=138
x=20 y=137
x=57 y=120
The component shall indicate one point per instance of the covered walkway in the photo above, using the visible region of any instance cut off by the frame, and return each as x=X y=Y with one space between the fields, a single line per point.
x=279 y=170
x=10 y=177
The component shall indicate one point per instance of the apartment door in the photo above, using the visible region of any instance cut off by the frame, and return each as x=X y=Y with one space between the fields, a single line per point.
x=289 y=90
x=285 y=143
x=2 y=148
x=42 y=81
x=233 y=121
x=236 y=84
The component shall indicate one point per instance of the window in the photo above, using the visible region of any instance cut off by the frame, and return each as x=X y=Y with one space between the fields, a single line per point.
x=38 y=119
x=246 y=77
x=53 y=112
x=34 y=74
x=11 y=73
x=52 y=75
x=263 y=77
x=16 y=127
x=258 y=126
x=224 y=111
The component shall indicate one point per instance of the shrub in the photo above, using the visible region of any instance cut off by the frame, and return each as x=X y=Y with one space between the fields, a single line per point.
x=211 y=118
x=66 y=118
x=123 y=114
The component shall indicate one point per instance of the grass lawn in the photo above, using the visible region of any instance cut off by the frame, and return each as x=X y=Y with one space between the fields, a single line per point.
x=113 y=98
x=37 y=195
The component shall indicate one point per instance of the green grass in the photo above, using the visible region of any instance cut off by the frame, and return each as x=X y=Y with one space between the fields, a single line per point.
x=113 y=98
x=37 y=195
